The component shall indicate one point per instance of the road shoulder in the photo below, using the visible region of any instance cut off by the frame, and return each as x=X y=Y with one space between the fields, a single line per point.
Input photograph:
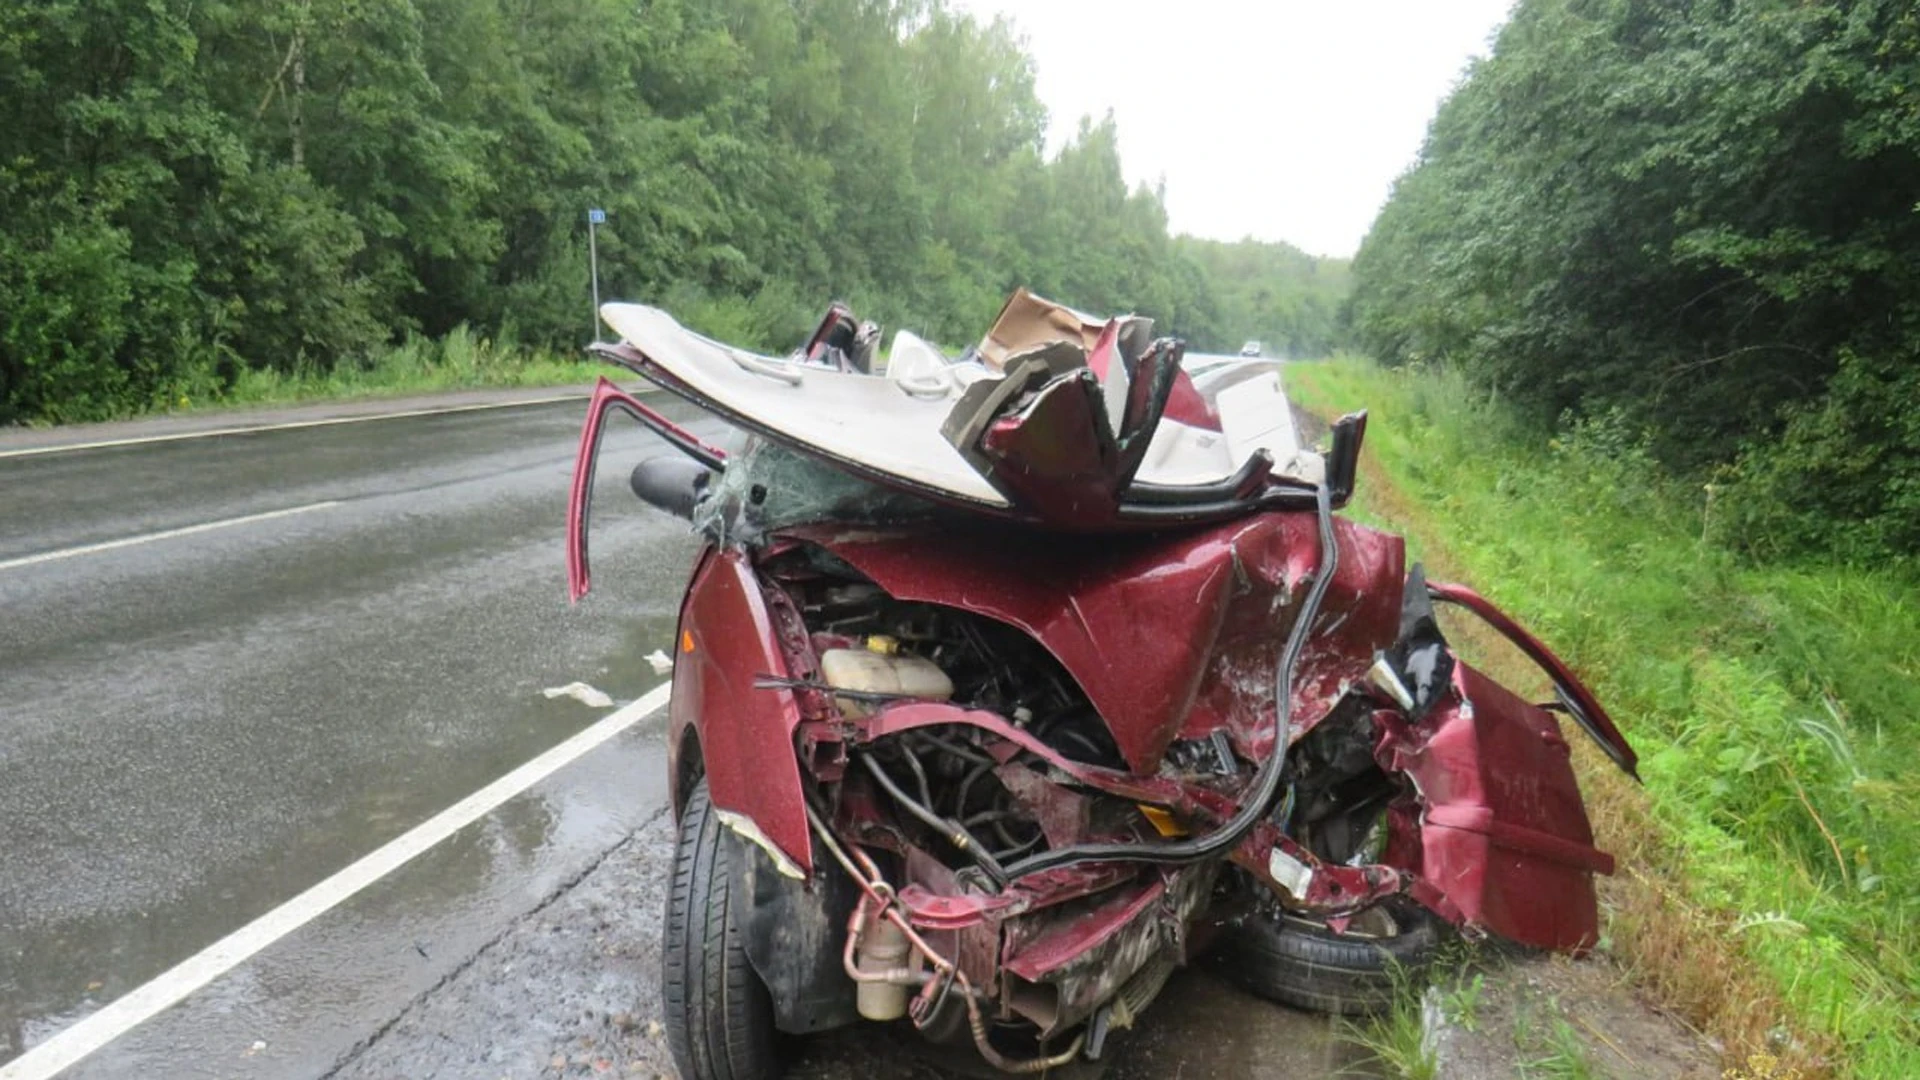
x=570 y=988
x=14 y=440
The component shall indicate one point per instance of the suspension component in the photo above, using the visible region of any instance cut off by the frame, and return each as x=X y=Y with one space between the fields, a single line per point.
x=880 y=896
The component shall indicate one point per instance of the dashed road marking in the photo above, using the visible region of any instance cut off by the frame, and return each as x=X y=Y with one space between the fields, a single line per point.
x=164 y=534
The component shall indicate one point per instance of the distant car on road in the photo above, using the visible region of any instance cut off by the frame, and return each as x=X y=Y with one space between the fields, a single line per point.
x=1252 y=348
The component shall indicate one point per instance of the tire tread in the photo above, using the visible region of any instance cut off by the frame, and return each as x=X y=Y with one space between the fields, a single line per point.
x=1313 y=968
x=718 y=1018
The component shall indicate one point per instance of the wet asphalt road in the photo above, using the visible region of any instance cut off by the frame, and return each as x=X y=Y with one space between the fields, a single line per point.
x=195 y=728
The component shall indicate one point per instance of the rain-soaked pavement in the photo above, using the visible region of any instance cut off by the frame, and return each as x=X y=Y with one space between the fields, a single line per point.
x=195 y=727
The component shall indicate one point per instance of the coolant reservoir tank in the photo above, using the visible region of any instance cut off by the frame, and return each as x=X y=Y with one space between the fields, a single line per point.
x=874 y=673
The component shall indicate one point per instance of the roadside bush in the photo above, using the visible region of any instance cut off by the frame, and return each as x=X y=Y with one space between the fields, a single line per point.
x=60 y=324
x=1774 y=705
x=1845 y=474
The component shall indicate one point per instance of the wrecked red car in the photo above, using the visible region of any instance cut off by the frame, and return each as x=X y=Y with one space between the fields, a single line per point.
x=1007 y=683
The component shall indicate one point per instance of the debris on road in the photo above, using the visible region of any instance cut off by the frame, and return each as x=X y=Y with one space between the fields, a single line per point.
x=580 y=692
x=660 y=662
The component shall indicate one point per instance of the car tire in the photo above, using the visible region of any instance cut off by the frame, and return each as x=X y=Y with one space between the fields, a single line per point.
x=718 y=1015
x=1302 y=963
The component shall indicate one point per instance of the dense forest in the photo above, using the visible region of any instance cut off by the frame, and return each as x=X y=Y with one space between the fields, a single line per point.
x=1276 y=294
x=188 y=190
x=1693 y=225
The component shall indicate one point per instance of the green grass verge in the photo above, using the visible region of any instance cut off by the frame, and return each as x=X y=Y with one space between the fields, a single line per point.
x=459 y=361
x=1776 y=708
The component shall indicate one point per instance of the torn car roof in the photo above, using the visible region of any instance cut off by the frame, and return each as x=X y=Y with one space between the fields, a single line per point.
x=1054 y=418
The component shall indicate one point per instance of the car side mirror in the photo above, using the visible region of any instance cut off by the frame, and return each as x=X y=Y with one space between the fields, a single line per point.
x=671 y=483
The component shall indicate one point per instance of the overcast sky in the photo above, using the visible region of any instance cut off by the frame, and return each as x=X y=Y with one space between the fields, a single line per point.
x=1277 y=119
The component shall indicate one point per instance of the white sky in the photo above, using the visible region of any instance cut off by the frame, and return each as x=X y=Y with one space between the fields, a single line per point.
x=1276 y=119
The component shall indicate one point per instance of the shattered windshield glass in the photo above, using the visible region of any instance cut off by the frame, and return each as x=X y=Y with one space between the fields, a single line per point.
x=767 y=487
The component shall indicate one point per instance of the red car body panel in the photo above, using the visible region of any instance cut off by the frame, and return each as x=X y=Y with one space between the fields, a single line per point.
x=1063 y=943
x=745 y=733
x=1503 y=835
x=1164 y=634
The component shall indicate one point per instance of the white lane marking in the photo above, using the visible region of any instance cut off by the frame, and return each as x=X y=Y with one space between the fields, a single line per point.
x=249 y=429
x=136 y=1007
x=164 y=534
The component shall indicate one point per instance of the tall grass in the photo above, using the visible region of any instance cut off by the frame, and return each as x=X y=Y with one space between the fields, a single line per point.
x=460 y=360
x=1776 y=708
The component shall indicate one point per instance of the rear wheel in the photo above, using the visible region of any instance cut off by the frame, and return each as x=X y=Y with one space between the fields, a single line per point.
x=718 y=1016
x=1301 y=963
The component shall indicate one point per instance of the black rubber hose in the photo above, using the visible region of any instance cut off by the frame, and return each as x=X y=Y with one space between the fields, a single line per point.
x=1265 y=786
x=965 y=753
x=952 y=831
x=920 y=777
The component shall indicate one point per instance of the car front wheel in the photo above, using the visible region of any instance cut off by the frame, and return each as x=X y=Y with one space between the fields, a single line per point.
x=1300 y=962
x=718 y=1016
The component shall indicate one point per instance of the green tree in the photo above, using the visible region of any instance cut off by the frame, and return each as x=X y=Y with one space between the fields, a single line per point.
x=193 y=190
x=1698 y=215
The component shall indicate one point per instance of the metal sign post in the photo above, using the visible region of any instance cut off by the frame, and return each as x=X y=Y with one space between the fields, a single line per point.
x=594 y=218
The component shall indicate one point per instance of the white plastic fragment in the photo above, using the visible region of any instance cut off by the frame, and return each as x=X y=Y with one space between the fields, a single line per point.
x=1290 y=872
x=750 y=832
x=660 y=662
x=580 y=692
